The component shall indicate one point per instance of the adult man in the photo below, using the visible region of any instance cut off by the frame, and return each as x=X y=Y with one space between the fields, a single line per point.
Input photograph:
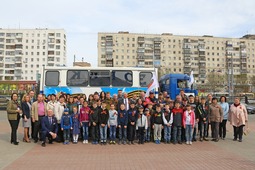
x=125 y=101
x=38 y=112
x=32 y=100
x=183 y=95
x=49 y=128
x=108 y=100
x=119 y=94
x=59 y=110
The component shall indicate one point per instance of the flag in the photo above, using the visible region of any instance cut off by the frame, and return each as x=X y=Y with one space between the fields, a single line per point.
x=153 y=84
x=191 y=78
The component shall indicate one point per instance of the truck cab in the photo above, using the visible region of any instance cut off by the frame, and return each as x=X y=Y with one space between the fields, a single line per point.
x=173 y=83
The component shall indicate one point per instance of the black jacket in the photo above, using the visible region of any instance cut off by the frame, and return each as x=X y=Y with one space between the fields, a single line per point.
x=103 y=116
x=25 y=110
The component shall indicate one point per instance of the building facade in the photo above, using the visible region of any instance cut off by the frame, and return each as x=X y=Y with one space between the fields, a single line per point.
x=178 y=54
x=23 y=52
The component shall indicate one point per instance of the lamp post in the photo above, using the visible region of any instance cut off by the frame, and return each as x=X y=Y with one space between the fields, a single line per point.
x=42 y=80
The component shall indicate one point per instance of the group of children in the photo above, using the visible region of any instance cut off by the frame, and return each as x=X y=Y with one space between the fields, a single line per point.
x=138 y=122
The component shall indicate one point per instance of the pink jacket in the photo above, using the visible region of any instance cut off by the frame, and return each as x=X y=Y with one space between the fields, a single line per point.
x=192 y=118
x=84 y=114
x=237 y=115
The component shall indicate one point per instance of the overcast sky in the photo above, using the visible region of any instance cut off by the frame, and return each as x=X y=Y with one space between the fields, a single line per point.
x=83 y=19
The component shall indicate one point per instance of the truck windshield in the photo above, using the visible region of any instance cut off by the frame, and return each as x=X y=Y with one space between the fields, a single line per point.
x=182 y=84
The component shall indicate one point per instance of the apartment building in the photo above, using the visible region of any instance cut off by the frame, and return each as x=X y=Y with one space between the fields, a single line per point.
x=23 y=52
x=178 y=54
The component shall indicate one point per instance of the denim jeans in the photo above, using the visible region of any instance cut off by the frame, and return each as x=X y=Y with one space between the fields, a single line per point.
x=66 y=134
x=188 y=132
x=215 y=130
x=177 y=133
x=85 y=128
x=112 y=132
x=148 y=134
x=103 y=133
x=167 y=133
x=122 y=133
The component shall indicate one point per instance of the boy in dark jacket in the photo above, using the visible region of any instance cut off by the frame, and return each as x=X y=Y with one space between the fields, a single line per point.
x=122 y=124
x=93 y=119
x=202 y=114
x=157 y=123
x=66 y=125
x=103 y=119
x=177 y=122
x=132 y=118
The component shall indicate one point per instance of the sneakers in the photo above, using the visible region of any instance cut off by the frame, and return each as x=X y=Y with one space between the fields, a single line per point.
x=85 y=141
x=187 y=143
x=111 y=142
x=190 y=143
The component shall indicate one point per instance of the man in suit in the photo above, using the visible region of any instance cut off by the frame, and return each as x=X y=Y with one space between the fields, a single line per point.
x=38 y=112
x=124 y=101
x=49 y=128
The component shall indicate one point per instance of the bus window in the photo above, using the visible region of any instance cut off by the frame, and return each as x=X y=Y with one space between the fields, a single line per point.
x=122 y=78
x=52 y=78
x=77 y=78
x=145 y=78
x=99 y=78
x=182 y=84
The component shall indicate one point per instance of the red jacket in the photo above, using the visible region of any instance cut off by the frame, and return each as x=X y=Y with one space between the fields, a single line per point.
x=84 y=114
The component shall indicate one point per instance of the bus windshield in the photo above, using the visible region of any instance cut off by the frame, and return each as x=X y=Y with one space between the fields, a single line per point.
x=182 y=84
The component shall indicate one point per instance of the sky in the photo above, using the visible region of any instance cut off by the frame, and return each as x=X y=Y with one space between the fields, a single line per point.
x=83 y=19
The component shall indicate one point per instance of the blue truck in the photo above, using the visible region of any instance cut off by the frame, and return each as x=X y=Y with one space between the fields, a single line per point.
x=173 y=83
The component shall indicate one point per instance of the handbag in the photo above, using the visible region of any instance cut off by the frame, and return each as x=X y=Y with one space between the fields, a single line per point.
x=246 y=130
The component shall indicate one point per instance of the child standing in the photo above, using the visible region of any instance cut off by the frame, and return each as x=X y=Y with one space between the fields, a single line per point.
x=141 y=125
x=132 y=118
x=188 y=123
x=103 y=119
x=76 y=124
x=122 y=122
x=177 y=122
x=168 y=120
x=94 y=112
x=148 y=130
x=112 y=123
x=84 y=119
x=157 y=122
x=66 y=125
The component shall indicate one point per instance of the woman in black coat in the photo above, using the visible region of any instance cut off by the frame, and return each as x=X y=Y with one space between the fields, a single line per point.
x=26 y=110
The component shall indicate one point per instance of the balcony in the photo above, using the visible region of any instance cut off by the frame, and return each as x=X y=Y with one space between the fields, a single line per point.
x=243 y=55
x=108 y=38
x=51 y=35
x=140 y=58
x=187 y=65
x=202 y=65
x=187 y=59
x=140 y=39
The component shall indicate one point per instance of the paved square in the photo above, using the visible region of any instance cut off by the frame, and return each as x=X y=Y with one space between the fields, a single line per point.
x=225 y=154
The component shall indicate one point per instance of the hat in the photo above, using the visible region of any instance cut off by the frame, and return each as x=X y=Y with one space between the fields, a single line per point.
x=140 y=107
x=147 y=109
x=66 y=110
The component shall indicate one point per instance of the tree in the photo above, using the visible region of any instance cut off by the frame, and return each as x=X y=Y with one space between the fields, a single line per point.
x=241 y=84
x=216 y=82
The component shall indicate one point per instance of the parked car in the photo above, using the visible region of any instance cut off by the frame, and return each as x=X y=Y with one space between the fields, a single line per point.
x=3 y=102
x=250 y=109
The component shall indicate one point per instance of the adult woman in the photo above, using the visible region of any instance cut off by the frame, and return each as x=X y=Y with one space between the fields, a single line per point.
x=225 y=108
x=13 y=113
x=71 y=104
x=237 y=117
x=26 y=114
x=102 y=95
x=215 y=117
x=197 y=100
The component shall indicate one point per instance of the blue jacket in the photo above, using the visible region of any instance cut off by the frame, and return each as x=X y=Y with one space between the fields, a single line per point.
x=123 y=118
x=66 y=121
x=225 y=109
x=47 y=127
